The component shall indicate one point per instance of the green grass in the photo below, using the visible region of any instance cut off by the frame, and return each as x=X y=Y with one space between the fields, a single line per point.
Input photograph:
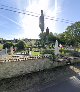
x=35 y=53
x=1 y=46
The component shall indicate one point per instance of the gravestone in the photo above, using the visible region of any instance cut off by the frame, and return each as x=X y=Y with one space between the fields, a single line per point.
x=30 y=54
x=11 y=50
x=3 y=53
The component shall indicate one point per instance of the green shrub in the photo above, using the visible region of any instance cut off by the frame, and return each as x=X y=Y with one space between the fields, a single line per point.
x=52 y=56
x=65 y=51
x=48 y=52
x=8 y=45
x=21 y=45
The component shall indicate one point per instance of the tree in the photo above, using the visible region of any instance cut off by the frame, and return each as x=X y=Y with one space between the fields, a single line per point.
x=8 y=45
x=71 y=36
x=42 y=37
x=73 y=33
x=50 y=38
x=62 y=38
x=21 y=45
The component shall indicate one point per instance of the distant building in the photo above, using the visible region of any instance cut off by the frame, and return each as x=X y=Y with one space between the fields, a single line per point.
x=29 y=40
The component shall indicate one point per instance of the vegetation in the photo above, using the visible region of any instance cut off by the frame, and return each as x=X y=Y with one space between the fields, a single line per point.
x=35 y=53
x=21 y=45
x=1 y=46
x=8 y=45
x=46 y=39
x=51 y=52
x=72 y=35
x=46 y=42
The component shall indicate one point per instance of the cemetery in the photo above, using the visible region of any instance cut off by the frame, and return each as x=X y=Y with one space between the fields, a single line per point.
x=14 y=63
x=50 y=51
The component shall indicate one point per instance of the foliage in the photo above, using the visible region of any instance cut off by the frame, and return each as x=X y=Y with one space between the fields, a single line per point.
x=37 y=43
x=51 y=37
x=65 y=51
x=48 y=52
x=8 y=45
x=52 y=56
x=72 y=35
x=42 y=38
x=61 y=38
x=47 y=39
x=21 y=45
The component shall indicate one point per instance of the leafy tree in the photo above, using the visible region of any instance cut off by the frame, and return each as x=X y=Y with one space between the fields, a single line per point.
x=21 y=45
x=42 y=37
x=51 y=38
x=72 y=35
x=62 y=38
x=8 y=45
x=73 y=32
x=47 y=39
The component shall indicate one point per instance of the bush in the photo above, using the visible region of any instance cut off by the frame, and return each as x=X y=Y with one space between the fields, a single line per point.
x=8 y=45
x=52 y=56
x=65 y=51
x=21 y=45
x=48 y=52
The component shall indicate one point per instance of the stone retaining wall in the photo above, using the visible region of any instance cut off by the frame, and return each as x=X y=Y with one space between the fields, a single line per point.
x=10 y=69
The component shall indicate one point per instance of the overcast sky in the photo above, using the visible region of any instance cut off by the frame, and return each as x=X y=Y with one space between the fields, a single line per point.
x=18 y=25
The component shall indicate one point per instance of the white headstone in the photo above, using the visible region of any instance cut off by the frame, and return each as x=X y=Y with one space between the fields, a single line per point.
x=56 y=50
x=11 y=49
x=30 y=53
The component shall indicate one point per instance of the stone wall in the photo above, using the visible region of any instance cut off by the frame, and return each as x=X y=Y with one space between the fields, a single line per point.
x=11 y=69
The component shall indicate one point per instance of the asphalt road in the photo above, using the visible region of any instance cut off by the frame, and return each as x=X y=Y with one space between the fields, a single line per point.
x=69 y=85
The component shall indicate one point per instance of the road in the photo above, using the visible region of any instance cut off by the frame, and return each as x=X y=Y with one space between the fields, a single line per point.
x=69 y=85
x=64 y=79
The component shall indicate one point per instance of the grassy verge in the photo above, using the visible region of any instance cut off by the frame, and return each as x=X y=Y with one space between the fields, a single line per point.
x=35 y=53
x=1 y=46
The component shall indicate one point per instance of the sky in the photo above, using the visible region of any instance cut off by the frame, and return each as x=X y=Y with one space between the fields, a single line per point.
x=19 y=25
